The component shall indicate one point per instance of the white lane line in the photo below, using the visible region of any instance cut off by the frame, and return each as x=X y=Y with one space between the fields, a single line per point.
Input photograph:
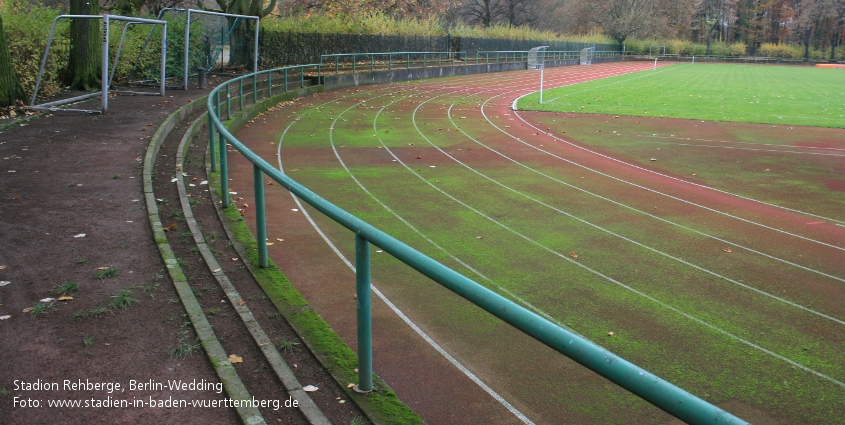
x=699 y=145
x=602 y=275
x=602 y=229
x=387 y=301
x=672 y=178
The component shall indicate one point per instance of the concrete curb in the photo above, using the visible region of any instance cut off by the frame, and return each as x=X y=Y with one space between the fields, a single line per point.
x=214 y=350
x=309 y=409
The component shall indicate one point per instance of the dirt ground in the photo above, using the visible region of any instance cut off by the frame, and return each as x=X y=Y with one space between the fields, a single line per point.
x=72 y=211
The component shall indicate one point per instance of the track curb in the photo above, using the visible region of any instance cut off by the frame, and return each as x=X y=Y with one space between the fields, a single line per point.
x=214 y=350
x=309 y=409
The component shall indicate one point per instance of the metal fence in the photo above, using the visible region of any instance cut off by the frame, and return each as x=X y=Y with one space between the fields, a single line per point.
x=238 y=93
x=291 y=48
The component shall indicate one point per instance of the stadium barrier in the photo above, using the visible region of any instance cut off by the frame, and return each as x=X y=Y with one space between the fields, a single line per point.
x=638 y=381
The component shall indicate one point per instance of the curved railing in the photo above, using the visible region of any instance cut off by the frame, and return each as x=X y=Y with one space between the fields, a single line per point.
x=644 y=384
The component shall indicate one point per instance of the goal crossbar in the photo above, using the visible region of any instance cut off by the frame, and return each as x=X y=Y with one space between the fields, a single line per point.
x=188 y=35
x=105 y=76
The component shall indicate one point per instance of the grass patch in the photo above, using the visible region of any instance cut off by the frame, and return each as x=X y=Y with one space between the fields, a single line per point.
x=122 y=300
x=68 y=287
x=40 y=309
x=717 y=92
x=106 y=273
x=87 y=340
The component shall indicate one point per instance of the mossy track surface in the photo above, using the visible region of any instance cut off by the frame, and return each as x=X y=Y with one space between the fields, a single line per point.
x=733 y=299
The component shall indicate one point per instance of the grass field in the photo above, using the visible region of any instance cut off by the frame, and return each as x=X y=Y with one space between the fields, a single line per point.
x=721 y=92
x=712 y=251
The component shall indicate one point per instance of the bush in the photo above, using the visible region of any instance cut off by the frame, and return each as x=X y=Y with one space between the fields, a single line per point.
x=27 y=27
x=780 y=51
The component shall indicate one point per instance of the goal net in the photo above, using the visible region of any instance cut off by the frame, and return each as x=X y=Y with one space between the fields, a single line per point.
x=199 y=39
x=118 y=35
x=586 y=57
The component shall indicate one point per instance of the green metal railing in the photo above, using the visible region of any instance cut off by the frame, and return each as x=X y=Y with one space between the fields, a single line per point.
x=642 y=383
x=499 y=56
x=355 y=62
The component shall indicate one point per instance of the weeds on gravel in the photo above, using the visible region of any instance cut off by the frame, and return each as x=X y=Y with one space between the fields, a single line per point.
x=185 y=347
x=177 y=215
x=288 y=345
x=40 y=308
x=359 y=420
x=212 y=237
x=106 y=272
x=3 y=392
x=81 y=261
x=213 y=310
x=87 y=341
x=122 y=300
x=193 y=202
x=68 y=287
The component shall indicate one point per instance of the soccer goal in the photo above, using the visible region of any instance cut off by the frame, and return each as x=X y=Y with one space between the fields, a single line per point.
x=203 y=40
x=106 y=77
x=587 y=56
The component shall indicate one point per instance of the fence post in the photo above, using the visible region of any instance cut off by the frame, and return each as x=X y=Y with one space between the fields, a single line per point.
x=260 y=217
x=224 y=169
x=364 y=311
x=270 y=84
x=241 y=92
x=286 y=80
x=211 y=145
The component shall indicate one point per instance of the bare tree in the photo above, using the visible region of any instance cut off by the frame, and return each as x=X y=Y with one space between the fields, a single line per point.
x=483 y=12
x=620 y=19
x=519 y=12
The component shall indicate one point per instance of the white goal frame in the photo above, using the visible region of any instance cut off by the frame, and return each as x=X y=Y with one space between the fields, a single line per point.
x=188 y=35
x=105 y=76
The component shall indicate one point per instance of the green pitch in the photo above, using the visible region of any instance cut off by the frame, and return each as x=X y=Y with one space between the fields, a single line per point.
x=720 y=92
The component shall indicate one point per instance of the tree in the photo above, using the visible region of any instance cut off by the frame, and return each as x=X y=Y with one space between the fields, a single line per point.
x=241 y=37
x=10 y=89
x=85 y=65
x=620 y=19
x=483 y=12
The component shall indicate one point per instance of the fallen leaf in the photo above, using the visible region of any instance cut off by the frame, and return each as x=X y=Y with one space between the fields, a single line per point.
x=350 y=385
x=3 y=267
x=573 y=255
x=81 y=235
x=233 y=358
x=4 y=282
x=65 y=298
x=727 y=250
x=310 y=388
x=269 y=243
x=241 y=302
x=48 y=300
x=5 y=317
x=280 y=239
x=194 y=179
x=610 y=333
x=28 y=309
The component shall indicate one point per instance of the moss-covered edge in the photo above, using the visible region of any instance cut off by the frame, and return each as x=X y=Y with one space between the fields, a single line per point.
x=382 y=406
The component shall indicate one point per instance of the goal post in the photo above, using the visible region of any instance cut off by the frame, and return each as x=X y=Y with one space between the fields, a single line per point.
x=105 y=75
x=226 y=22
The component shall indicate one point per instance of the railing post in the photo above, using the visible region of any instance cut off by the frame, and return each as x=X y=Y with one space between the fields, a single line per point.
x=241 y=92
x=254 y=88
x=270 y=84
x=228 y=104
x=364 y=310
x=224 y=168
x=260 y=217
x=211 y=144
x=286 y=80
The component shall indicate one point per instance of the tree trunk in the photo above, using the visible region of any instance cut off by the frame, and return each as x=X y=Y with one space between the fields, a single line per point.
x=84 y=65
x=10 y=88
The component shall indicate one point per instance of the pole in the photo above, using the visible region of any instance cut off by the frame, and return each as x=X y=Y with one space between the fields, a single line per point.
x=655 y=64
x=104 y=72
x=260 y=217
x=187 y=43
x=364 y=312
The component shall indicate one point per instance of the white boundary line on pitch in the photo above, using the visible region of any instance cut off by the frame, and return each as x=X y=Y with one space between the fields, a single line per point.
x=742 y=143
x=696 y=145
